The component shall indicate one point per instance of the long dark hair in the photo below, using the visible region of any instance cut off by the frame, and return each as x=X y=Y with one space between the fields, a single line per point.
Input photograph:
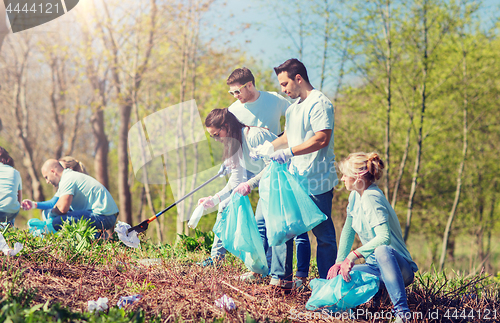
x=5 y=157
x=223 y=119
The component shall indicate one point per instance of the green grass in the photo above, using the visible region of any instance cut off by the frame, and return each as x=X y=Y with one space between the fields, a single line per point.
x=53 y=277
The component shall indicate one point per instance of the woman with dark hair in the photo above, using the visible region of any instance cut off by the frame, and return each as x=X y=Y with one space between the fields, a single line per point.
x=10 y=189
x=238 y=140
x=46 y=206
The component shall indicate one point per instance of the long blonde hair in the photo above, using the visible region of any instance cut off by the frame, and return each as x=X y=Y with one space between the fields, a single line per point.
x=367 y=166
x=74 y=164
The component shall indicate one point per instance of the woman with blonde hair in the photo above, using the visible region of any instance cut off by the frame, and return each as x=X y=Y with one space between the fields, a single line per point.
x=46 y=206
x=370 y=215
x=10 y=189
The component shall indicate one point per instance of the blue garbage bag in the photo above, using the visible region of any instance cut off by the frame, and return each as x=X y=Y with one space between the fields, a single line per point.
x=237 y=229
x=287 y=208
x=337 y=295
x=39 y=228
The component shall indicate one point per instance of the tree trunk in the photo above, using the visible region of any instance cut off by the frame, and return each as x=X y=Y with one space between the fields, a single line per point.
x=458 y=189
x=416 y=169
x=388 y=66
x=123 y=185
x=101 y=146
x=21 y=116
x=402 y=164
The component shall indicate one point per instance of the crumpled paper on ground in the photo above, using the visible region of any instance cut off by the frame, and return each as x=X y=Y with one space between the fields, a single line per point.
x=100 y=305
x=7 y=250
x=225 y=302
x=129 y=239
x=126 y=300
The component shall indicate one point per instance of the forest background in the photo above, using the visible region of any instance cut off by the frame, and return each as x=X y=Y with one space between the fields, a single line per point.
x=415 y=80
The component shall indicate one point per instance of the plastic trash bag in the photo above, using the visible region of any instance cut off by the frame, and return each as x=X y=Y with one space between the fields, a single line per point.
x=127 y=300
x=337 y=295
x=128 y=239
x=39 y=228
x=100 y=305
x=237 y=229
x=4 y=247
x=225 y=302
x=286 y=207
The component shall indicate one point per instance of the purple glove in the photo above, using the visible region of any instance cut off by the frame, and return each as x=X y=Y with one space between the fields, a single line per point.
x=244 y=189
x=345 y=268
x=334 y=271
x=28 y=205
x=208 y=202
x=282 y=156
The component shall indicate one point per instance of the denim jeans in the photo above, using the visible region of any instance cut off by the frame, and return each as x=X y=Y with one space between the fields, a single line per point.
x=100 y=222
x=394 y=271
x=8 y=218
x=326 y=253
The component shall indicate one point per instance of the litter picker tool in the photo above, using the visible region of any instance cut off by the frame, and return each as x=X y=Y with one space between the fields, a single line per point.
x=143 y=226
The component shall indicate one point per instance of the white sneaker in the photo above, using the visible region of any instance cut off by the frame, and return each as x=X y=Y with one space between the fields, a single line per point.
x=249 y=277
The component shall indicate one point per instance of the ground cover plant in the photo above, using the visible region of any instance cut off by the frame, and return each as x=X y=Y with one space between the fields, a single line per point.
x=54 y=277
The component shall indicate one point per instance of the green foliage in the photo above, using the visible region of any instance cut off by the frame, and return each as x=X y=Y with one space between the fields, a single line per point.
x=200 y=241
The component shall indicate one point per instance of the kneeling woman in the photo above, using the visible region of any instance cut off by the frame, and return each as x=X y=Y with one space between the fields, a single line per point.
x=370 y=215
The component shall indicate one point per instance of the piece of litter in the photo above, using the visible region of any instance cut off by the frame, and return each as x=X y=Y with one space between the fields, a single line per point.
x=225 y=302
x=7 y=250
x=127 y=300
x=100 y=305
x=129 y=239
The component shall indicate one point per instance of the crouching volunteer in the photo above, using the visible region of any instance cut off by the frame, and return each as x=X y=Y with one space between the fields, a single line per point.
x=46 y=206
x=370 y=215
x=237 y=139
x=308 y=144
x=10 y=190
x=85 y=196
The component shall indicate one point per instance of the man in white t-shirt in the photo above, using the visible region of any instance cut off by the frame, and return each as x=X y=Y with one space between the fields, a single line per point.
x=308 y=143
x=80 y=196
x=253 y=107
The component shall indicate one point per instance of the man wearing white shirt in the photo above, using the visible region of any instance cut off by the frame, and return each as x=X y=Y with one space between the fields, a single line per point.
x=308 y=143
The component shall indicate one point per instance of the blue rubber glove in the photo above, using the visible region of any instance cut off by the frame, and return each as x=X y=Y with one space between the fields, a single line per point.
x=282 y=156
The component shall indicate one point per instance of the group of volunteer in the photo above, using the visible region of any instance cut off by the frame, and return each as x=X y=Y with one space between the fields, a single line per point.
x=78 y=196
x=249 y=128
x=254 y=148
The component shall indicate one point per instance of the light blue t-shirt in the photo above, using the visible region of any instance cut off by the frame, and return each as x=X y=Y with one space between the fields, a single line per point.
x=370 y=210
x=10 y=185
x=316 y=170
x=88 y=193
x=264 y=112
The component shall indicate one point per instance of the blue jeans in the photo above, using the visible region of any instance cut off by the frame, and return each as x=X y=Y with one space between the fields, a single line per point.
x=394 y=271
x=100 y=222
x=8 y=218
x=326 y=253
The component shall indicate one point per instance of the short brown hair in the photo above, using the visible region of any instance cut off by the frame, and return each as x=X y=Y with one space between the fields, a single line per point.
x=241 y=75
x=293 y=67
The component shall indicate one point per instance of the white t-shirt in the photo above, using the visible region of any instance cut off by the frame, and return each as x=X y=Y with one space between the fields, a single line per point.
x=88 y=193
x=370 y=210
x=10 y=185
x=264 y=112
x=316 y=170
